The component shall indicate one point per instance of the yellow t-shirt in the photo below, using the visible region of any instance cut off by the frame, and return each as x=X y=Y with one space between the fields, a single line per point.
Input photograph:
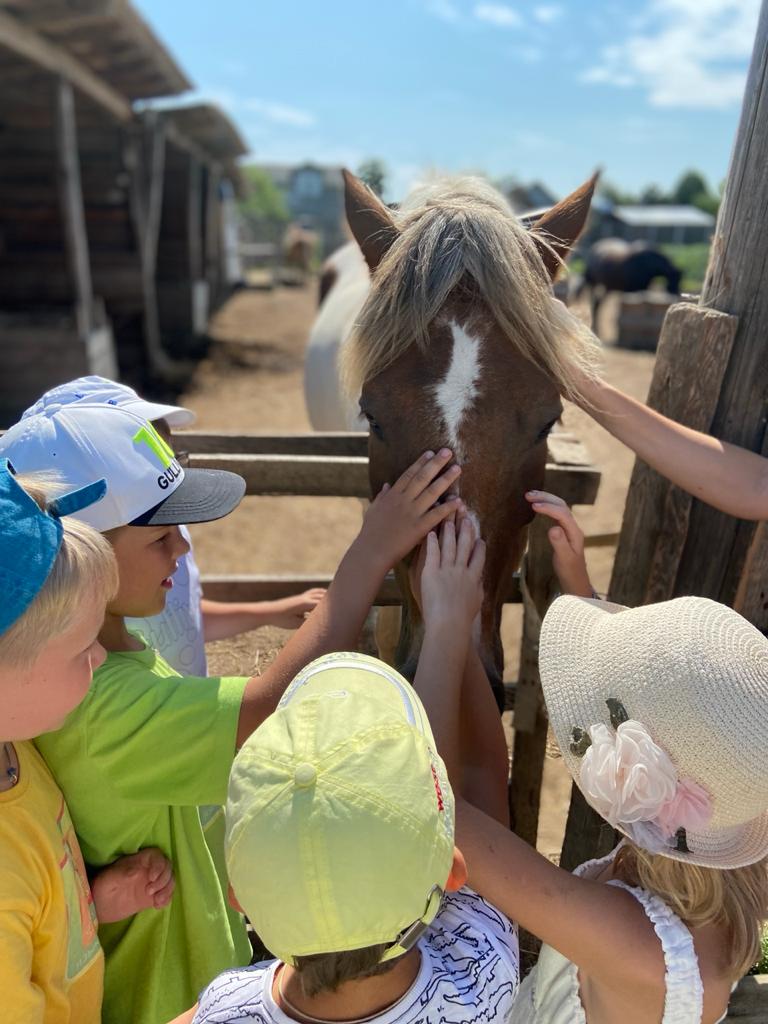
x=51 y=963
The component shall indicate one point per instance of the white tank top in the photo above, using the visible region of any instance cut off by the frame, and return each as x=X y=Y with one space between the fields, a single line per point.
x=550 y=993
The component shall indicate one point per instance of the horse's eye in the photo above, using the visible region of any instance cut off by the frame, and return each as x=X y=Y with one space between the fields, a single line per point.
x=375 y=428
x=544 y=434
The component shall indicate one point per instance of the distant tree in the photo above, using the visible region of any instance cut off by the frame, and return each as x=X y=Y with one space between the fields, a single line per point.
x=707 y=201
x=263 y=202
x=652 y=195
x=374 y=173
x=615 y=195
x=689 y=187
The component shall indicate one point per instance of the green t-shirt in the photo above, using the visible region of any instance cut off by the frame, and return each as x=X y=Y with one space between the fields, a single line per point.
x=135 y=759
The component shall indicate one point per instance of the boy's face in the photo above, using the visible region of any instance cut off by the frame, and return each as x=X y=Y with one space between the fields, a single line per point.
x=146 y=560
x=38 y=697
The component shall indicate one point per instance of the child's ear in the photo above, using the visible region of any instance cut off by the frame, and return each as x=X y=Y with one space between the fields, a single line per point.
x=233 y=900
x=459 y=874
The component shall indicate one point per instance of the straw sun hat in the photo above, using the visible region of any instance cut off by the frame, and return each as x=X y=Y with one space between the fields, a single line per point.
x=661 y=713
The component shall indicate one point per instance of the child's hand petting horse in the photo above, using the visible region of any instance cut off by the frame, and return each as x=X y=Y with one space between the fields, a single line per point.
x=139 y=881
x=452 y=577
x=402 y=515
x=567 y=542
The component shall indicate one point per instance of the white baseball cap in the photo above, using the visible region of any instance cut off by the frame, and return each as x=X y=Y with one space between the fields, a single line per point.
x=81 y=442
x=100 y=390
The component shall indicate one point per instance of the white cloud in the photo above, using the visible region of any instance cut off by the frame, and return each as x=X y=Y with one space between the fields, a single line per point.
x=547 y=13
x=499 y=15
x=444 y=10
x=685 y=53
x=238 y=106
x=280 y=113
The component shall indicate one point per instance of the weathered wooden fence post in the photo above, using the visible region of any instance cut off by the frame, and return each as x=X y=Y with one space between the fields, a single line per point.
x=711 y=374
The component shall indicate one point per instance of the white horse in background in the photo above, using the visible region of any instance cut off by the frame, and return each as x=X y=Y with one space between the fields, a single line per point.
x=344 y=284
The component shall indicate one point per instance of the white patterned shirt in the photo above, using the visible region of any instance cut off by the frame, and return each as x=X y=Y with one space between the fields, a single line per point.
x=469 y=974
x=177 y=632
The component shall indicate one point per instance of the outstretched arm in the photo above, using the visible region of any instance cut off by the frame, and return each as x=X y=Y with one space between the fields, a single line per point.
x=396 y=522
x=223 y=619
x=729 y=478
x=450 y=679
x=592 y=924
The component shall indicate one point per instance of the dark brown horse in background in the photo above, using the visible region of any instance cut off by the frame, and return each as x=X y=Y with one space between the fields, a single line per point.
x=615 y=265
x=460 y=343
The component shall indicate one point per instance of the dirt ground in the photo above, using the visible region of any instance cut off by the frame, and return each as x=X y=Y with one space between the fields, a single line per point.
x=252 y=380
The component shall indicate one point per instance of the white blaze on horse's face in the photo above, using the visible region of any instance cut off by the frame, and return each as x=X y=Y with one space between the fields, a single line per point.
x=458 y=390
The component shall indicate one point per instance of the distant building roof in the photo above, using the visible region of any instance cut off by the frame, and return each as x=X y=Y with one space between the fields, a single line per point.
x=530 y=197
x=664 y=216
x=281 y=174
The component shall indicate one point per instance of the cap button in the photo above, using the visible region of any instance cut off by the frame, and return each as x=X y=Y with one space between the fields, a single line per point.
x=305 y=775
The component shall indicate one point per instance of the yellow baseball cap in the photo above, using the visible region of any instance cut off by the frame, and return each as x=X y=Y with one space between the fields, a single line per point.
x=340 y=817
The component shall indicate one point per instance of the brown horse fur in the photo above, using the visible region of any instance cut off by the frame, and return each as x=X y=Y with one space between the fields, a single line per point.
x=455 y=259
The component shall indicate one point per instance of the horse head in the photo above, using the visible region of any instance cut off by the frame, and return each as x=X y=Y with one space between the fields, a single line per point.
x=460 y=343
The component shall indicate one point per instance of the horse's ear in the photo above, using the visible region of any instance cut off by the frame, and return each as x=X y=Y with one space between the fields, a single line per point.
x=370 y=220
x=562 y=225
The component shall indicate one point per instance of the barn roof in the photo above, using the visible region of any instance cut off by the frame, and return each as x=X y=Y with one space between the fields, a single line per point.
x=210 y=128
x=664 y=216
x=105 y=39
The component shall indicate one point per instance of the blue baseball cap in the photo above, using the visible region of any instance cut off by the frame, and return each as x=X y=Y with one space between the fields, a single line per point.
x=30 y=539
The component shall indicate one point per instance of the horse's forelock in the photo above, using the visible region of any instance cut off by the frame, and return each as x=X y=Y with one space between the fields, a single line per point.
x=463 y=234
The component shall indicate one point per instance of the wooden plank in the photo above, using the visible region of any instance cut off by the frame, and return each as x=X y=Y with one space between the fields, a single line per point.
x=347 y=476
x=656 y=514
x=334 y=476
x=26 y=43
x=145 y=160
x=564 y=448
x=715 y=554
x=530 y=718
x=71 y=200
x=228 y=587
x=751 y=598
x=212 y=232
x=194 y=217
x=586 y=834
x=319 y=443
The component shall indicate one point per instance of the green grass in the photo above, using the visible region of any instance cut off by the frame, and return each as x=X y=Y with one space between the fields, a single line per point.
x=692 y=260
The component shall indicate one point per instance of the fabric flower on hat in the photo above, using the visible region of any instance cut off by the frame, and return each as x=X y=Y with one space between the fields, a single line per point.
x=631 y=781
x=690 y=808
x=626 y=776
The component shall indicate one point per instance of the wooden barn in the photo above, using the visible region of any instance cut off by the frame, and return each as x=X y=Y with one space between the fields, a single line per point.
x=82 y=207
x=196 y=248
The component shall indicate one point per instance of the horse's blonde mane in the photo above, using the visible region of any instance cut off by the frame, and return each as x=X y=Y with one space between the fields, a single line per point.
x=462 y=233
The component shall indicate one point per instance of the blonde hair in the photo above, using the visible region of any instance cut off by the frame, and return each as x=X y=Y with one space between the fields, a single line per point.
x=735 y=897
x=84 y=569
x=461 y=233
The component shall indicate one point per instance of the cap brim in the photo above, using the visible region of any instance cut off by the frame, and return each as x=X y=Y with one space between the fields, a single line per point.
x=176 y=416
x=202 y=496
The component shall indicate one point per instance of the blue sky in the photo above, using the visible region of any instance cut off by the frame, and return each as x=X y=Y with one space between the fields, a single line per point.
x=533 y=88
